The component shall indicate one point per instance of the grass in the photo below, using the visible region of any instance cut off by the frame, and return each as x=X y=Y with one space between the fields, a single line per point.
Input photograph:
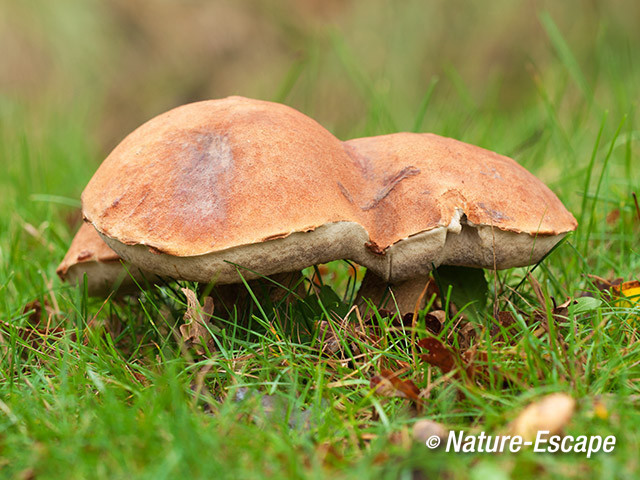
x=105 y=389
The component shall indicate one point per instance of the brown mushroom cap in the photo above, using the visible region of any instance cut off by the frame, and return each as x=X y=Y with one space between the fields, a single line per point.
x=439 y=201
x=90 y=255
x=210 y=184
x=216 y=174
x=207 y=186
x=426 y=181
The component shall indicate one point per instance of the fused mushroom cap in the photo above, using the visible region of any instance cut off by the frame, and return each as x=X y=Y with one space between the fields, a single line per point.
x=213 y=185
x=439 y=201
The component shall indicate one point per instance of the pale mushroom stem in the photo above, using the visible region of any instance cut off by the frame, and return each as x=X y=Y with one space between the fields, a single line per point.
x=406 y=293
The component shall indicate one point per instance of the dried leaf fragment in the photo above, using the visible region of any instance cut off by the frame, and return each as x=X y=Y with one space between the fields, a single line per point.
x=389 y=384
x=448 y=359
x=434 y=320
x=628 y=293
x=35 y=309
x=439 y=355
x=194 y=331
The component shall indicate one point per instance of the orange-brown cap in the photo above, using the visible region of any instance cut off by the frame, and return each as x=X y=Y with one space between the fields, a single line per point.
x=216 y=174
x=222 y=175
x=438 y=201
x=423 y=181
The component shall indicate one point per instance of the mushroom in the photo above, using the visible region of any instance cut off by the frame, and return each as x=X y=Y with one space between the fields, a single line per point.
x=219 y=189
x=440 y=201
x=105 y=271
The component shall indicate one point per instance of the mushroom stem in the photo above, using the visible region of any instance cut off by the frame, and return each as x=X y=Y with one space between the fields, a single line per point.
x=406 y=293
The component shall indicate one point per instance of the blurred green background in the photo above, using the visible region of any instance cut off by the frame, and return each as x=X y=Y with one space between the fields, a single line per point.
x=119 y=62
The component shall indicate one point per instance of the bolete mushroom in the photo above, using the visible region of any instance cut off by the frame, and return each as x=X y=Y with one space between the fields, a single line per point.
x=440 y=201
x=213 y=190
x=219 y=188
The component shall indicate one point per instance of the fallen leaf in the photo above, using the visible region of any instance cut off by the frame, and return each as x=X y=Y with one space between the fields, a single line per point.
x=475 y=362
x=613 y=216
x=35 y=310
x=627 y=293
x=505 y=323
x=447 y=359
x=334 y=340
x=439 y=355
x=600 y=410
x=389 y=384
x=551 y=413
x=195 y=332
x=434 y=321
x=318 y=275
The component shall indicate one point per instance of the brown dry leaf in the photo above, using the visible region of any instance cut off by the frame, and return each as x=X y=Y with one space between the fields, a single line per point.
x=318 y=275
x=448 y=359
x=434 y=320
x=613 y=216
x=552 y=413
x=505 y=322
x=475 y=363
x=331 y=343
x=36 y=308
x=331 y=337
x=506 y=319
x=329 y=455
x=439 y=355
x=194 y=332
x=603 y=284
x=388 y=384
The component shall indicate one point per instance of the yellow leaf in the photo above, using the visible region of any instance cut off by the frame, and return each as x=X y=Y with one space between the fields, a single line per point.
x=628 y=292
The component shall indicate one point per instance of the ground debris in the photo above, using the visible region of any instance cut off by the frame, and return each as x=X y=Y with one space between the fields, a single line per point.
x=196 y=331
x=389 y=384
